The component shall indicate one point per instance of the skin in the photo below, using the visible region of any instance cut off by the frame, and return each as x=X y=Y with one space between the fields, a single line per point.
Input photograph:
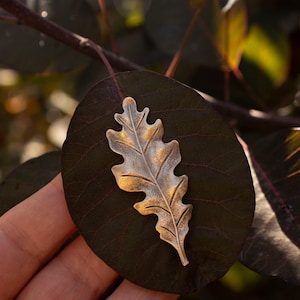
x=32 y=267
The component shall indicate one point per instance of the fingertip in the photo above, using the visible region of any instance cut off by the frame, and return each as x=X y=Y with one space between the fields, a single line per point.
x=130 y=291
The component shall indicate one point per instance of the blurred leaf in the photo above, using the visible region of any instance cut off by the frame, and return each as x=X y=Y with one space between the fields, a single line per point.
x=28 y=178
x=231 y=34
x=220 y=187
x=197 y=3
x=34 y=52
x=167 y=22
x=132 y=10
x=239 y=278
x=273 y=245
x=265 y=62
x=94 y=4
x=228 y=4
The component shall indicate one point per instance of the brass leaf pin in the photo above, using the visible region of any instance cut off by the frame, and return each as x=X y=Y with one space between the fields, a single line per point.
x=148 y=167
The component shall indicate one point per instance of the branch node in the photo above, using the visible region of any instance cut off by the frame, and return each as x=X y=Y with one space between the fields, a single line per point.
x=84 y=42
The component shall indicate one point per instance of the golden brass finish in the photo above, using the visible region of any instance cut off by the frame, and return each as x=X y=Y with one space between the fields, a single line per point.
x=149 y=167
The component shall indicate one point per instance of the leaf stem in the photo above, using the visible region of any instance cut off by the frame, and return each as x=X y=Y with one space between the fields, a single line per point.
x=99 y=50
x=10 y=19
x=227 y=49
x=175 y=61
x=108 y=26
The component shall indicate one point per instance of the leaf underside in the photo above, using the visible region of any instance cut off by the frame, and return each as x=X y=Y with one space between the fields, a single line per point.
x=273 y=245
x=148 y=167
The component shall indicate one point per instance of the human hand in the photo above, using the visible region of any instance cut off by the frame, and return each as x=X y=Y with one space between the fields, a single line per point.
x=33 y=267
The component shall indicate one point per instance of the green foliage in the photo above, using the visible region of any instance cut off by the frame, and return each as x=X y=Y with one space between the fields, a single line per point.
x=245 y=52
x=265 y=58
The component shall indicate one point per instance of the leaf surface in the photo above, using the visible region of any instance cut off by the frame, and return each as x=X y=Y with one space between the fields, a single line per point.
x=28 y=178
x=34 y=52
x=149 y=167
x=219 y=186
x=266 y=58
x=273 y=246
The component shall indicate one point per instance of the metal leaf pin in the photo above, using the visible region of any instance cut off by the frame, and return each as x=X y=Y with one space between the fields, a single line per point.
x=148 y=167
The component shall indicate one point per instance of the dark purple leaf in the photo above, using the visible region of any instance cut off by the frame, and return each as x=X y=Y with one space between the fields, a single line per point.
x=220 y=187
x=30 y=51
x=28 y=178
x=273 y=245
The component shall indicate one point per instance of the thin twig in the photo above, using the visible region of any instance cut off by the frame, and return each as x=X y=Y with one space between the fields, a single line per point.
x=98 y=49
x=108 y=26
x=227 y=56
x=9 y=19
x=173 y=65
x=250 y=118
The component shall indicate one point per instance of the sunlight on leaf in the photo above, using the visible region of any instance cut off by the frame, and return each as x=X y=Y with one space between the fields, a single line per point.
x=293 y=148
x=232 y=32
x=132 y=10
x=239 y=278
x=273 y=246
x=148 y=167
x=266 y=58
x=211 y=40
x=229 y=5
x=219 y=185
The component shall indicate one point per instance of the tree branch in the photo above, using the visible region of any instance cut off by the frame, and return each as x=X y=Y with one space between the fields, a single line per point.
x=249 y=118
x=61 y=34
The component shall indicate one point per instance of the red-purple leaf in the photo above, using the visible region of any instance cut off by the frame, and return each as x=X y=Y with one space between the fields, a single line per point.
x=273 y=245
x=28 y=178
x=220 y=187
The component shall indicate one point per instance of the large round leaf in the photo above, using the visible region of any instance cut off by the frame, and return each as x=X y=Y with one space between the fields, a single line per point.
x=28 y=178
x=33 y=51
x=273 y=247
x=219 y=189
